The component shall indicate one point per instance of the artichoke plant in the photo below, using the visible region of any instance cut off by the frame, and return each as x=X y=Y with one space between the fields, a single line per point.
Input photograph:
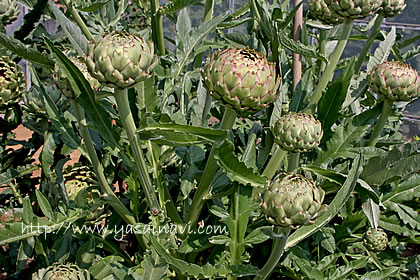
x=242 y=79
x=77 y=178
x=62 y=82
x=319 y=10
x=391 y=8
x=395 y=81
x=59 y=271
x=291 y=200
x=121 y=60
x=32 y=101
x=12 y=82
x=354 y=9
x=297 y=132
x=9 y=11
x=375 y=239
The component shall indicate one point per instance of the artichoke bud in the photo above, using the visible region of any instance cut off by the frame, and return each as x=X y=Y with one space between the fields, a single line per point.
x=59 y=271
x=353 y=8
x=291 y=200
x=297 y=132
x=9 y=11
x=395 y=81
x=62 y=82
x=32 y=100
x=375 y=239
x=391 y=8
x=319 y=10
x=242 y=79
x=121 y=60
x=12 y=82
x=76 y=179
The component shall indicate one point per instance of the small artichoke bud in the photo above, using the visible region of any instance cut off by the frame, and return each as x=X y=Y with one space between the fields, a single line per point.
x=297 y=132
x=9 y=11
x=121 y=60
x=354 y=9
x=320 y=11
x=375 y=240
x=59 y=271
x=242 y=79
x=291 y=200
x=391 y=8
x=12 y=82
x=395 y=81
x=32 y=101
x=62 y=82
x=76 y=179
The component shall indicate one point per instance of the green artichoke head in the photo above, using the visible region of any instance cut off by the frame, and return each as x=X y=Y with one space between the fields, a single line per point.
x=319 y=10
x=355 y=9
x=121 y=60
x=242 y=79
x=395 y=81
x=12 y=82
x=62 y=82
x=391 y=8
x=76 y=179
x=59 y=271
x=291 y=200
x=297 y=132
x=9 y=11
x=375 y=239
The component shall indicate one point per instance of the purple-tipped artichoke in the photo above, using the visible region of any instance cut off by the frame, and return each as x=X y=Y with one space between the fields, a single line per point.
x=375 y=239
x=320 y=11
x=242 y=79
x=355 y=9
x=297 y=132
x=291 y=200
x=12 y=82
x=391 y=8
x=121 y=60
x=395 y=81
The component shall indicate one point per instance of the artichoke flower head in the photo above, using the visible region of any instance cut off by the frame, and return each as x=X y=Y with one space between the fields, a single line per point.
x=391 y=8
x=319 y=10
x=242 y=79
x=59 y=271
x=12 y=82
x=354 y=9
x=375 y=239
x=121 y=60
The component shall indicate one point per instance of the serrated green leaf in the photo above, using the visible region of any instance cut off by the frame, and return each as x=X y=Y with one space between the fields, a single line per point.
x=382 y=52
x=44 y=204
x=177 y=5
x=256 y=236
x=384 y=273
x=405 y=191
x=303 y=90
x=372 y=212
x=343 y=271
x=300 y=48
x=28 y=214
x=154 y=269
x=407 y=215
x=11 y=174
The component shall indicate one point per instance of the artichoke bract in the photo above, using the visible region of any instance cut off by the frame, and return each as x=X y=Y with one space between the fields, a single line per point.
x=121 y=60
x=59 y=271
x=291 y=200
x=12 y=82
x=242 y=79
x=391 y=8
x=297 y=132
x=319 y=10
x=32 y=100
x=62 y=82
x=375 y=239
x=395 y=81
x=355 y=9
x=9 y=11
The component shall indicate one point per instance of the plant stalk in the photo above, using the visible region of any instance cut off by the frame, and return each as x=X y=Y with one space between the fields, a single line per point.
x=121 y=96
x=293 y=163
x=78 y=20
x=386 y=109
x=157 y=29
x=275 y=162
x=375 y=29
x=98 y=168
x=276 y=253
x=297 y=30
x=209 y=172
x=322 y=49
x=329 y=70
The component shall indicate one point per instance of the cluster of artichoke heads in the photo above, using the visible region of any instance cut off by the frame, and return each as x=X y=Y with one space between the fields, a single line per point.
x=334 y=11
x=291 y=200
x=59 y=271
x=395 y=81
x=375 y=240
x=12 y=82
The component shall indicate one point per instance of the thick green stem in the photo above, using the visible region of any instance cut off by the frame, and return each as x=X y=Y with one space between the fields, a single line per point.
x=121 y=96
x=386 y=109
x=276 y=253
x=16 y=193
x=293 y=163
x=322 y=49
x=375 y=29
x=275 y=162
x=208 y=175
x=157 y=28
x=329 y=70
x=78 y=20
x=98 y=168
